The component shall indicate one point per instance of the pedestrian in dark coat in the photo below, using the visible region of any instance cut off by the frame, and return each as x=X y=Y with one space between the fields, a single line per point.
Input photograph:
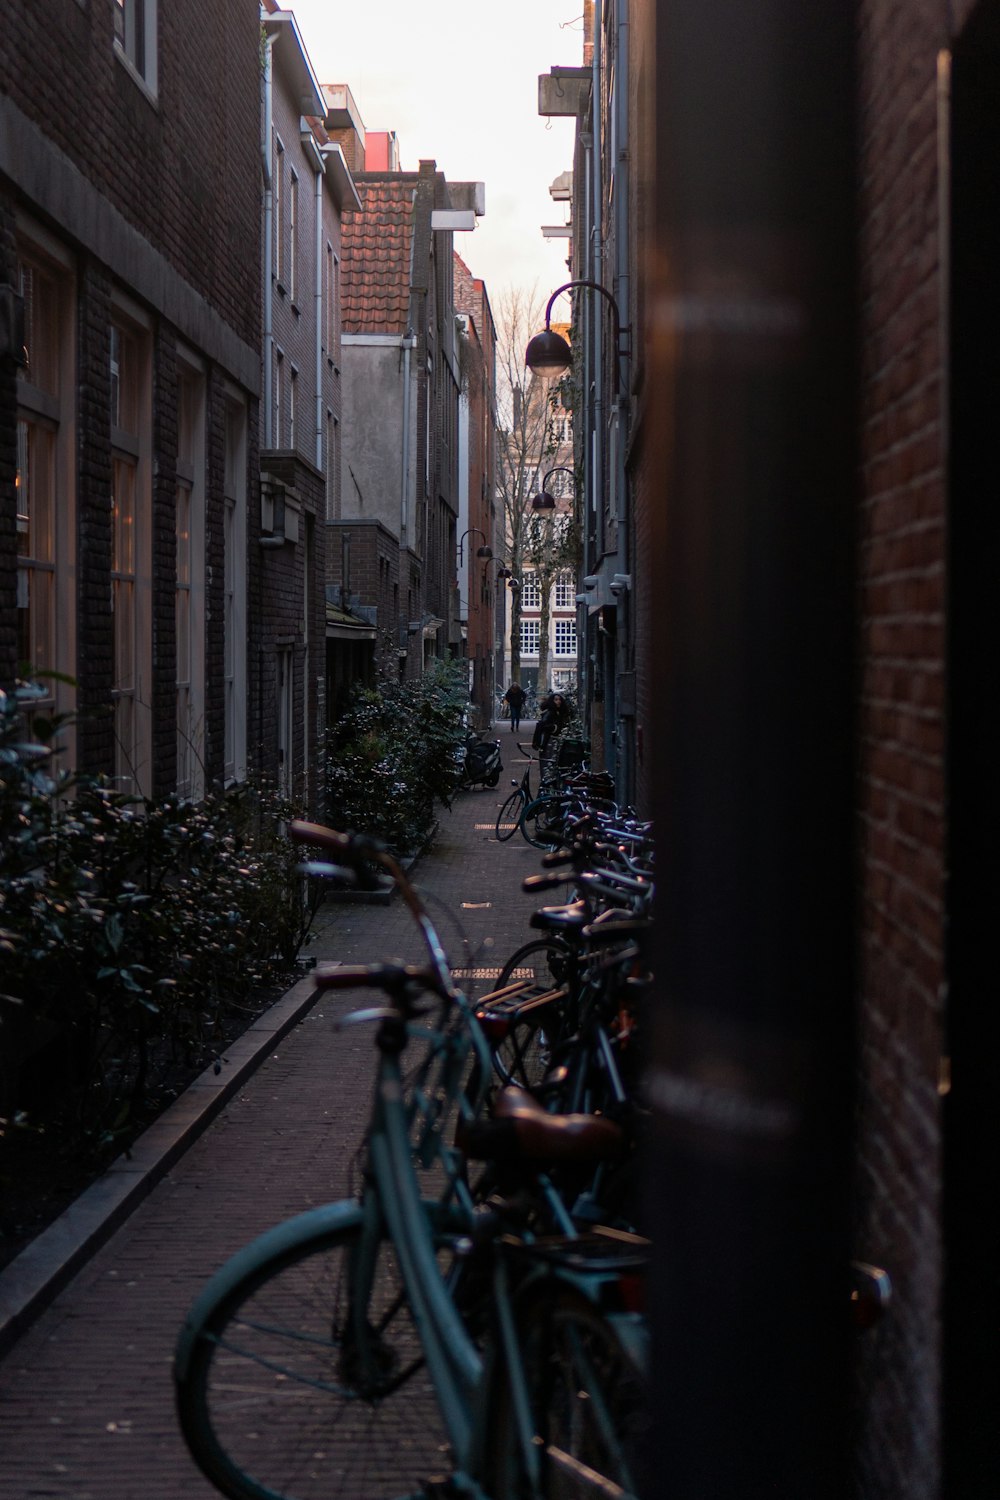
x=515 y=697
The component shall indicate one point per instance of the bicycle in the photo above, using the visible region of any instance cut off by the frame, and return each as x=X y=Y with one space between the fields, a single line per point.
x=489 y=1346
x=523 y=805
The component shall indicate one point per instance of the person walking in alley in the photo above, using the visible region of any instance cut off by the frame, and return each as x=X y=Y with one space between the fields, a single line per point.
x=515 y=697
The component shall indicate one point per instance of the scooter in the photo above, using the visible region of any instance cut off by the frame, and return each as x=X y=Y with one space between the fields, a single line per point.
x=482 y=764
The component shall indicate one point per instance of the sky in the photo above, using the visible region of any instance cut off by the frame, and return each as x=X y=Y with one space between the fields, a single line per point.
x=458 y=82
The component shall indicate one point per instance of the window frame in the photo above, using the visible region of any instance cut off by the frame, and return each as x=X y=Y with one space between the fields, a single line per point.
x=135 y=40
x=45 y=404
x=530 y=631
x=131 y=557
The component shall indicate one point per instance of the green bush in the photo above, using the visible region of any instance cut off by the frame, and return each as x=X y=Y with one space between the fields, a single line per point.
x=395 y=754
x=131 y=934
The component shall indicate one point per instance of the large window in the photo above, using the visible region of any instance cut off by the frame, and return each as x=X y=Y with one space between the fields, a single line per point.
x=189 y=597
x=529 y=637
x=44 y=473
x=235 y=593
x=565 y=638
x=135 y=37
x=565 y=591
x=130 y=567
x=531 y=594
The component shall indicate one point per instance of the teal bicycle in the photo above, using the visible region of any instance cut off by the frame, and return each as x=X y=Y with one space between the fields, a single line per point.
x=443 y=1334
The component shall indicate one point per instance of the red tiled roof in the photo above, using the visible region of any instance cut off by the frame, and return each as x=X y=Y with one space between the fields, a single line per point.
x=376 y=246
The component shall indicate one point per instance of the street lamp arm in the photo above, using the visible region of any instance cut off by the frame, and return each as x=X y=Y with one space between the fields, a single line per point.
x=595 y=286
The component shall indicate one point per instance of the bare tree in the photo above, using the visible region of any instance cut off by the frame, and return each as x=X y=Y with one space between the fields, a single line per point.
x=525 y=441
x=551 y=546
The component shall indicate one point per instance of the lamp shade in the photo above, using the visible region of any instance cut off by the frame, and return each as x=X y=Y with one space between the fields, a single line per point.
x=543 y=501
x=548 y=353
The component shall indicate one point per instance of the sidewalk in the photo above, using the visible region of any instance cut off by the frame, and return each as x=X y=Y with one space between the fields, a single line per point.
x=86 y=1402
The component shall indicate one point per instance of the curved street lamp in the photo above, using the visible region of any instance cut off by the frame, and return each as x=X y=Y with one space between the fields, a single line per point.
x=548 y=353
x=484 y=551
x=543 y=500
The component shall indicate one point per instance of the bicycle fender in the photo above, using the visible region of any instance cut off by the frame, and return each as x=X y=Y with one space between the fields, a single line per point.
x=315 y=1224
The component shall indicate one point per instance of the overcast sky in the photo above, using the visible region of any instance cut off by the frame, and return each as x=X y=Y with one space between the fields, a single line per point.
x=458 y=82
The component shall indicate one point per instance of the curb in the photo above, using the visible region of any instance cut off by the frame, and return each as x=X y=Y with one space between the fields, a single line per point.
x=31 y=1281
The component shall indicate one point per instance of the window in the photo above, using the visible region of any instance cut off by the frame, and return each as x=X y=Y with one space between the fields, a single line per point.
x=531 y=594
x=529 y=637
x=293 y=235
x=330 y=303
x=135 y=37
x=279 y=396
x=235 y=594
x=561 y=429
x=44 y=473
x=278 y=209
x=189 y=597
x=130 y=569
x=565 y=642
x=293 y=406
x=565 y=591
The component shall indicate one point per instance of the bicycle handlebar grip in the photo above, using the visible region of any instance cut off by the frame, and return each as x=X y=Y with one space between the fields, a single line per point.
x=346 y=846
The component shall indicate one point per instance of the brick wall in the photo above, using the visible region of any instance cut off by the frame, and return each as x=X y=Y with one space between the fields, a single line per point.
x=902 y=644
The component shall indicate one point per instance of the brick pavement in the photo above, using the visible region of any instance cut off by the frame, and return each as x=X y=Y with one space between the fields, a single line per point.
x=85 y=1394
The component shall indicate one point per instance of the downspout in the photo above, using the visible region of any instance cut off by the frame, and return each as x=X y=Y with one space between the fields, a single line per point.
x=319 y=313
x=408 y=343
x=622 y=278
x=597 y=255
x=265 y=161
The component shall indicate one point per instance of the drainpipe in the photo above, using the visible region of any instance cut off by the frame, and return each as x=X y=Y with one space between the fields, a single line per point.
x=320 y=170
x=408 y=344
x=622 y=289
x=265 y=162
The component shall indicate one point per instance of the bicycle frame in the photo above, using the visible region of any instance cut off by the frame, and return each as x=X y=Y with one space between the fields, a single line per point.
x=415 y=1097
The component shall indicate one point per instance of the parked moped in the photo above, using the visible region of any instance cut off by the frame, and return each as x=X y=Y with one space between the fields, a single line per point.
x=482 y=764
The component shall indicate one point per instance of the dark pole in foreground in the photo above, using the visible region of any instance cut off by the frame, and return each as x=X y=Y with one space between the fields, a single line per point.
x=751 y=1083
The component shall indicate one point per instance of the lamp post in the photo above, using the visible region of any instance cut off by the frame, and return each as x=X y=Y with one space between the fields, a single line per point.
x=602 y=656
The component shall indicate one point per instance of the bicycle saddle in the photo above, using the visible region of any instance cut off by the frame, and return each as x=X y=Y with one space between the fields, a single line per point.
x=523 y=1130
x=560 y=918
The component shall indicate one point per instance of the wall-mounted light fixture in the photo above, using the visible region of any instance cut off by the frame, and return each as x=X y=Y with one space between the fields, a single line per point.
x=549 y=354
x=543 y=500
x=484 y=551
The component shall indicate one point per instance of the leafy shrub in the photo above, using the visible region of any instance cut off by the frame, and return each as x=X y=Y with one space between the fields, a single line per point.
x=131 y=934
x=395 y=753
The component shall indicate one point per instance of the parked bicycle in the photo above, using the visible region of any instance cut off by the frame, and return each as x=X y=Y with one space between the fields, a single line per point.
x=486 y=1349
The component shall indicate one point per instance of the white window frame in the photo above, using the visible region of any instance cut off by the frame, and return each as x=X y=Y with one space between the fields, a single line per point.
x=565 y=591
x=135 y=40
x=235 y=590
x=531 y=592
x=131 y=561
x=530 y=636
x=564 y=638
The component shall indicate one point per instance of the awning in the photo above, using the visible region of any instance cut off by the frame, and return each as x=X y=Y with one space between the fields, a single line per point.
x=341 y=625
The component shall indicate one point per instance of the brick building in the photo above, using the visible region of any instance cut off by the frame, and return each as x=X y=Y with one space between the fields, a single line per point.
x=400 y=492
x=307 y=186
x=477 y=517
x=813 y=650
x=129 y=433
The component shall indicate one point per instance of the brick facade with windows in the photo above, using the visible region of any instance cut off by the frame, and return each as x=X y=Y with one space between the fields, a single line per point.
x=156 y=269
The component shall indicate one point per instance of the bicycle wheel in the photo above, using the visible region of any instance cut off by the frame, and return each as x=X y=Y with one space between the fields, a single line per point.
x=291 y=1391
x=509 y=816
x=588 y=1402
x=523 y=1057
x=544 y=820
